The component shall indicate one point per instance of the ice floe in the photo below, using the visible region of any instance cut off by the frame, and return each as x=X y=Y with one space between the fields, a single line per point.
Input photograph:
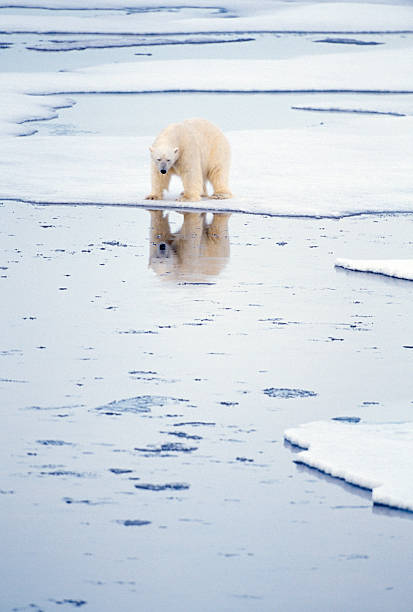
x=398 y=268
x=373 y=456
x=138 y=18
x=379 y=71
x=17 y=112
x=305 y=172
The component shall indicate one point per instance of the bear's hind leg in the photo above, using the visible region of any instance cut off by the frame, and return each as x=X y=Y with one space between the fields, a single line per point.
x=219 y=179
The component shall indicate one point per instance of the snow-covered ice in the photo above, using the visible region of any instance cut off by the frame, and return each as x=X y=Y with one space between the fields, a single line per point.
x=281 y=172
x=244 y=17
x=398 y=268
x=373 y=456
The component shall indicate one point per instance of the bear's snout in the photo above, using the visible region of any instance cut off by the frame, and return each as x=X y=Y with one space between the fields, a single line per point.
x=162 y=170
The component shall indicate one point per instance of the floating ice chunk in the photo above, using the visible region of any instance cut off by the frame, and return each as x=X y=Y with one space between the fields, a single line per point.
x=398 y=268
x=377 y=457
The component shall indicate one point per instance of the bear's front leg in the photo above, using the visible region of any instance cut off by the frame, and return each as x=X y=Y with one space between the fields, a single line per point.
x=159 y=183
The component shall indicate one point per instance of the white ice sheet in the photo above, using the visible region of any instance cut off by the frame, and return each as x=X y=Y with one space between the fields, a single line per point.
x=373 y=456
x=378 y=70
x=241 y=17
x=398 y=268
x=312 y=172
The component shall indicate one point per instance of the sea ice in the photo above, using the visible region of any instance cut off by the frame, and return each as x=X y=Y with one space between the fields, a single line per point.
x=398 y=268
x=373 y=456
x=324 y=17
x=304 y=172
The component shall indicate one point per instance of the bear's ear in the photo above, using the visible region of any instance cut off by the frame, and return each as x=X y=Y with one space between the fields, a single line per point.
x=176 y=150
x=151 y=149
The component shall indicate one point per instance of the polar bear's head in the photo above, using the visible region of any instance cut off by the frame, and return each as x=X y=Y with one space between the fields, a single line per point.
x=164 y=157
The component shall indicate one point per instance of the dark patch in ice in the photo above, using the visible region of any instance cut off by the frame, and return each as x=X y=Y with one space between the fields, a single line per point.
x=193 y=424
x=120 y=471
x=357 y=111
x=114 y=243
x=65 y=473
x=77 y=603
x=194 y=283
x=151 y=40
x=244 y=459
x=224 y=403
x=347 y=419
x=11 y=352
x=137 y=405
x=5 y=45
x=87 y=502
x=3 y=492
x=288 y=393
x=54 y=443
x=353 y=557
x=350 y=507
x=348 y=41
x=137 y=331
x=171 y=486
x=182 y=434
x=247 y=596
x=134 y=523
x=142 y=372
x=211 y=10
x=407 y=346
x=12 y=380
x=175 y=447
x=53 y=407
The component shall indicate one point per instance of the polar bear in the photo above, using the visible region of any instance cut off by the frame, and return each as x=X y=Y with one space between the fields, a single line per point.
x=195 y=150
x=199 y=248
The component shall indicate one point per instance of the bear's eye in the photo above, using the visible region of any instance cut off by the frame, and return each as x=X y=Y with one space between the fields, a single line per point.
x=168 y=160
x=158 y=159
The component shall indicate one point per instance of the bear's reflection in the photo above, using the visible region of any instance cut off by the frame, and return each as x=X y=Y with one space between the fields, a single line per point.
x=198 y=249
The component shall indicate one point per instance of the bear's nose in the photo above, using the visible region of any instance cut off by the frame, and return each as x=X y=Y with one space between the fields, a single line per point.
x=162 y=171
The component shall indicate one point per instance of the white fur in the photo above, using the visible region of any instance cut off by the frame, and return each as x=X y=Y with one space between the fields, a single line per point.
x=197 y=151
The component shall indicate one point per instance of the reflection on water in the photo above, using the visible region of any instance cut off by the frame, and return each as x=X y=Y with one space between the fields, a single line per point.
x=197 y=250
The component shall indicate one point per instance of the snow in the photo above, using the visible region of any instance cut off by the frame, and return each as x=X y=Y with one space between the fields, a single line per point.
x=373 y=456
x=283 y=173
x=398 y=268
x=279 y=17
x=375 y=70
x=18 y=111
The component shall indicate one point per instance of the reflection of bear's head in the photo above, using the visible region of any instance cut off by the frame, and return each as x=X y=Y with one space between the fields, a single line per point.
x=197 y=249
x=164 y=156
